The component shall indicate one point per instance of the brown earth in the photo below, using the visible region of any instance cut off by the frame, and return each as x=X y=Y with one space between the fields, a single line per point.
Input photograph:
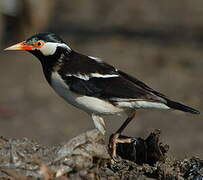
x=85 y=157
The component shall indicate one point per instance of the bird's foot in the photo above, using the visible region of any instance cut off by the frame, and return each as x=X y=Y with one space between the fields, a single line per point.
x=113 y=141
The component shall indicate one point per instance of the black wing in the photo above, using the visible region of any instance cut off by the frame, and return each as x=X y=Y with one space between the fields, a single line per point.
x=140 y=84
x=118 y=86
x=112 y=84
x=108 y=88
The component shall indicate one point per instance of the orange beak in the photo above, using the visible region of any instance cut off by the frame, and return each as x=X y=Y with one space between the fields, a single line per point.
x=21 y=46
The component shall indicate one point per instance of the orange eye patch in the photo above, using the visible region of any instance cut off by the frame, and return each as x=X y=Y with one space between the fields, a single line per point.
x=39 y=44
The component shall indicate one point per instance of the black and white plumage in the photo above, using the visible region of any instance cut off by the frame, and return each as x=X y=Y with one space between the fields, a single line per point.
x=91 y=84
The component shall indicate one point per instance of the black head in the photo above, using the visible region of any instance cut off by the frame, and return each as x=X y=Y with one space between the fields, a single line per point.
x=46 y=37
x=45 y=46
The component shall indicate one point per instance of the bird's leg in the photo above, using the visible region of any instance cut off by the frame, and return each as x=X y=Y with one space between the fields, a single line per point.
x=99 y=123
x=114 y=138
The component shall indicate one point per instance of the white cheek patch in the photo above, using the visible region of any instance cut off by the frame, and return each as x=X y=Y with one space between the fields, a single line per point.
x=48 y=48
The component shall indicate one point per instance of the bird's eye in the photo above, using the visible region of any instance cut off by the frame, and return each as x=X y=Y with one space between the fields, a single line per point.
x=39 y=43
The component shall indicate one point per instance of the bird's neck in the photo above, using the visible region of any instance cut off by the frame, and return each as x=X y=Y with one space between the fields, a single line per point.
x=51 y=63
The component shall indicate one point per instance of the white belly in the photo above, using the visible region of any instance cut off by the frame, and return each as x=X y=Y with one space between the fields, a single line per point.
x=86 y=103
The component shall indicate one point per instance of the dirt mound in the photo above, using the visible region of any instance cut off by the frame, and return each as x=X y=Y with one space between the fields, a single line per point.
x=86 y=157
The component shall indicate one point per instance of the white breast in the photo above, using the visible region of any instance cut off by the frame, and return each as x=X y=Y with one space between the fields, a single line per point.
x=86 y=103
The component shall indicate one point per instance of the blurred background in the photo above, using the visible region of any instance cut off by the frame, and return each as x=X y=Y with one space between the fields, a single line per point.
x=160 y=42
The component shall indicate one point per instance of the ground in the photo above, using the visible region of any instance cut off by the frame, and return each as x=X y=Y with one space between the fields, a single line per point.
x=86 y=157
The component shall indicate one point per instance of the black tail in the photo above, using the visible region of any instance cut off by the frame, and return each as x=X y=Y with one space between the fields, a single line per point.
x=181 y=107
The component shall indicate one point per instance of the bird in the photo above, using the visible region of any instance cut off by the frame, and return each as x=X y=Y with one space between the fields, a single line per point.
x=94 y=86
